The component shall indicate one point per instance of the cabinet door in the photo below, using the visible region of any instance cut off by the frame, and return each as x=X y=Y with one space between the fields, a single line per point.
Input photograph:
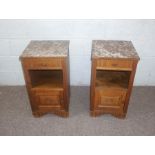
x=48 y=99
x=110 y=99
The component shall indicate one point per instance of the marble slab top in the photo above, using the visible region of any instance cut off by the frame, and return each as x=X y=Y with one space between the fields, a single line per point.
x=46 y=48
x=113 y=49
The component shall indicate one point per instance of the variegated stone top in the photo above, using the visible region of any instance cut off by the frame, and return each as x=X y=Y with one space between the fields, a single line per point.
x=113 y=49
x=46 y=48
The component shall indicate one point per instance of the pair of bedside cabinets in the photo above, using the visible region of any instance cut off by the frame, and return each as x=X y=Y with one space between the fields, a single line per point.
x=46 y=71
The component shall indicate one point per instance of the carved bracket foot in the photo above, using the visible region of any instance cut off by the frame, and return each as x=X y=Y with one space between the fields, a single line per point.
x=98 y=113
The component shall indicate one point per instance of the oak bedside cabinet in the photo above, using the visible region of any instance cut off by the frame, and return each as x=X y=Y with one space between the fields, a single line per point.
x=112 y=75
x=46 y=71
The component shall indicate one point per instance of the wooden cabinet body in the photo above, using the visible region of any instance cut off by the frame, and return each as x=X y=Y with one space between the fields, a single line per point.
x=111 y=84
x=47 y=82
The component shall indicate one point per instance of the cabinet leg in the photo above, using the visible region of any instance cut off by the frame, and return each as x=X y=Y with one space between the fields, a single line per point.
x=37 y=114
x=64 y=114
x=98 y=113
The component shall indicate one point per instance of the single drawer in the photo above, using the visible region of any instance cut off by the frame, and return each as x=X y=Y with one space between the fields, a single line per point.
x=114 y=64
x=48 y=98
x=110 y=98
x=42 y=63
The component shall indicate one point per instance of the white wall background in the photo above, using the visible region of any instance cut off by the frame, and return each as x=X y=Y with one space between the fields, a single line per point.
x=16 y=34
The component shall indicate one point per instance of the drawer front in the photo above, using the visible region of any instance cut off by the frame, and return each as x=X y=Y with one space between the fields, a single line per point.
x=48 y=99
x=110 y=98
x=43 y=63
x=114 y=64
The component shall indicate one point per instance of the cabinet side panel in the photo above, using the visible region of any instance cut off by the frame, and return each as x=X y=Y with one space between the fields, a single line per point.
x=92 y=85
x=66 y=83
x=28 y=87
x=132 y=76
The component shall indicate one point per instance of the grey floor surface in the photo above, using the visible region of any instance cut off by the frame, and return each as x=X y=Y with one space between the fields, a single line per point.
x=16 y=117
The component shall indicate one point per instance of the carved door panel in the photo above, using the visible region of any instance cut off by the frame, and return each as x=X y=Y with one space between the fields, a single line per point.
x=110 y=99
x=48 y=100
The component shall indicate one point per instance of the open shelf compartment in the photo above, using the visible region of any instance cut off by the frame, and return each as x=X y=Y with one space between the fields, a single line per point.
x=112 y=79
x=46 y=79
